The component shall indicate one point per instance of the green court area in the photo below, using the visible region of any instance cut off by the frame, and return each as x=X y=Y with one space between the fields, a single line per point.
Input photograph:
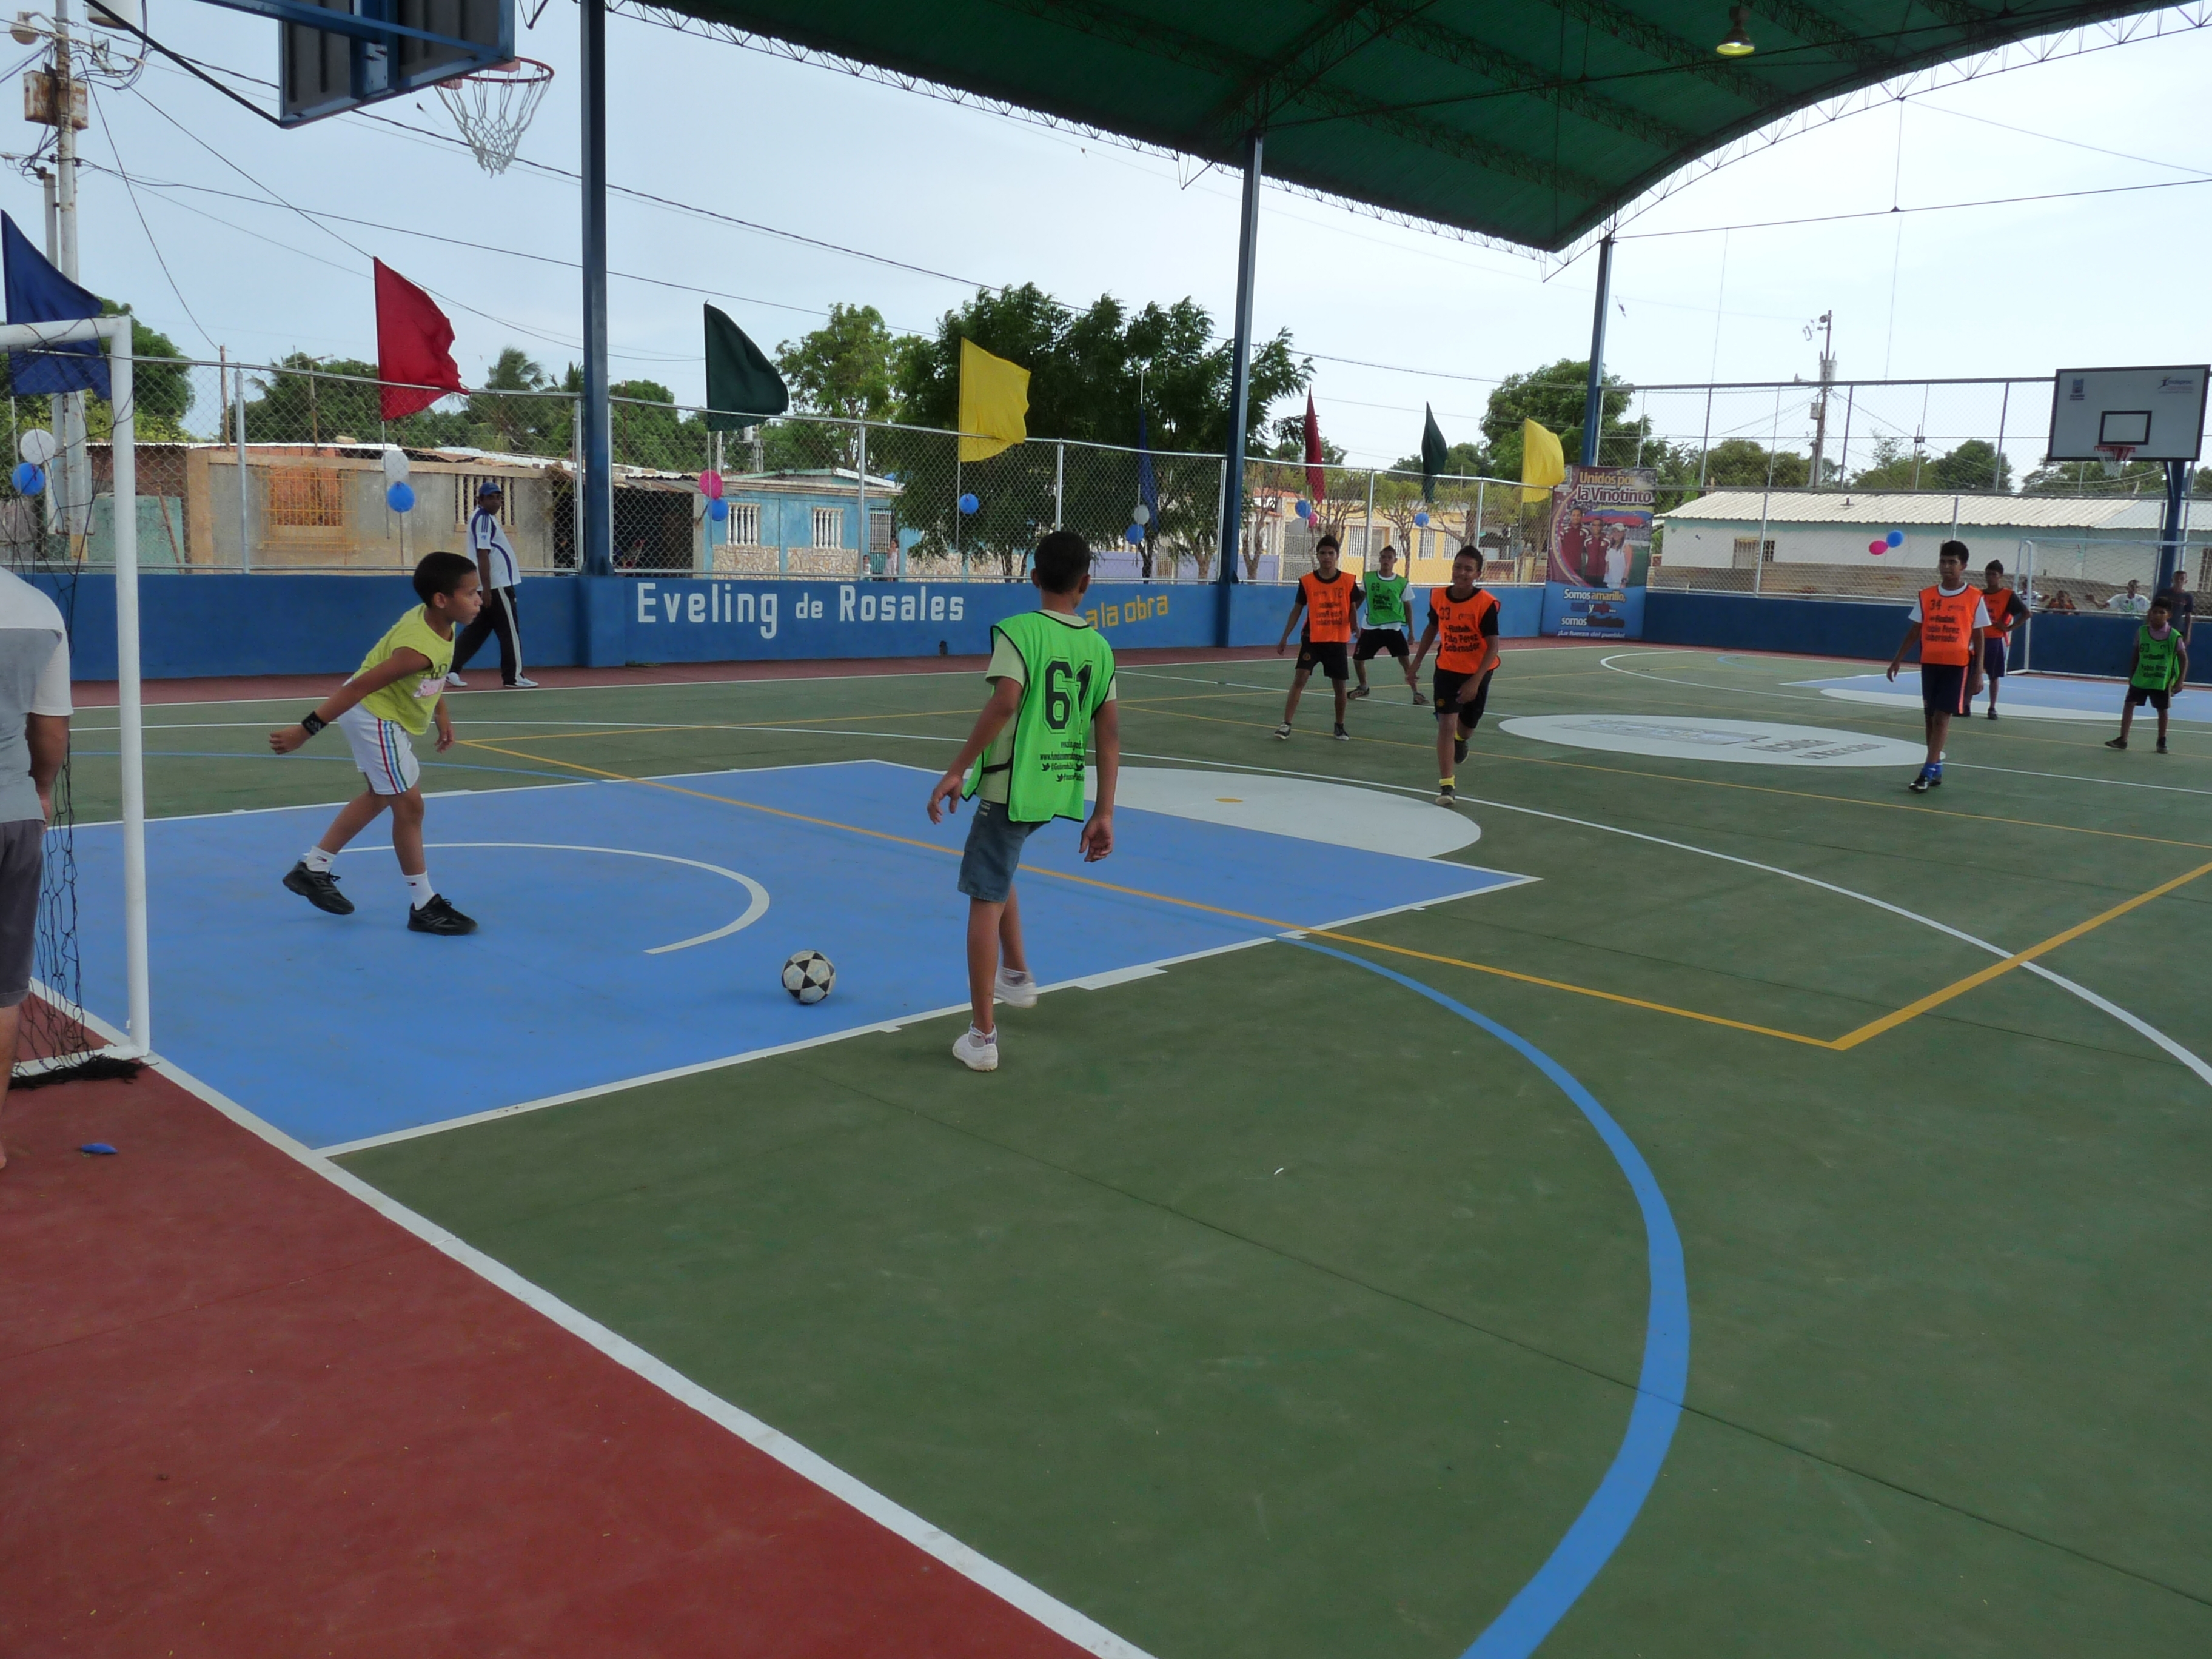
x=1265 y=1306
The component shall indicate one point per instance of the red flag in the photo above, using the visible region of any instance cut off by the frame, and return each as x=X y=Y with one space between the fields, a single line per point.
x=1316 y=485
x=414 y=346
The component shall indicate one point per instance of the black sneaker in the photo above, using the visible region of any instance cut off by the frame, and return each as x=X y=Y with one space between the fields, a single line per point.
x=1420 y=702
x=319 y=888
x=438 y=917
x=1459 y=748
x=2110 y=743
x=1993 y=713
x=1283 y=730
x=1342 y=736
x=1446 y=795
x=1919 y=786
x=1358 y=691
x=2161 y=745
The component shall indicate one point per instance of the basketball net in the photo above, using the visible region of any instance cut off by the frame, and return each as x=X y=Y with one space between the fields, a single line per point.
x=2116 y=458
x=493 y=107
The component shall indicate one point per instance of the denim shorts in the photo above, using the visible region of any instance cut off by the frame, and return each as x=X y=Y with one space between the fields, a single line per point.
x=995 y=849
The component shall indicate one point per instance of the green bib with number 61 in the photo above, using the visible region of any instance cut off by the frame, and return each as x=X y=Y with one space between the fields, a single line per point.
x=1069 y=670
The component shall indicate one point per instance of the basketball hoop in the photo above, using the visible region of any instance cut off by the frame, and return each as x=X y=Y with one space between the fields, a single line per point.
x=2115 y=457
x=493 y=107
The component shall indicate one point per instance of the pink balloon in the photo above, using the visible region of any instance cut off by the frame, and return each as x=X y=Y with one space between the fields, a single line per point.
x=1877 y=548
x=710 y=485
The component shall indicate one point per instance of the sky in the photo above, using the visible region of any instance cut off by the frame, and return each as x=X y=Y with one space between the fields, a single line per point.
x=978 y=199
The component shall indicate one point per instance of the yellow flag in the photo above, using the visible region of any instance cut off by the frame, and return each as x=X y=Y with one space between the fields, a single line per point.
x=1543 y=463
x=994 y=403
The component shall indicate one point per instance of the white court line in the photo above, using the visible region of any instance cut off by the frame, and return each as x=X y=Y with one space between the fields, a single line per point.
x=1087 y=982
x=934 y=1541
x=754 y=910
x=293 y=698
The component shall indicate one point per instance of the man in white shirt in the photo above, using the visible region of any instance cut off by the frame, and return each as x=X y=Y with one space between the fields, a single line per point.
x=34 y=723
x=2134 y=601
x=501 y=574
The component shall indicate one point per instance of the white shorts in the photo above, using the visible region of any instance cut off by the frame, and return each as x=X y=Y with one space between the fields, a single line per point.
x=382 y=750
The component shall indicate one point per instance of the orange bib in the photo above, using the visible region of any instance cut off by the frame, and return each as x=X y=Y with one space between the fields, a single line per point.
x=1947 y=625
x=1329 y=606
x=1460 y=645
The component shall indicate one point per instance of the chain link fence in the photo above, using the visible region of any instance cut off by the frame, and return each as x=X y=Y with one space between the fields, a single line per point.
x=1770 y=489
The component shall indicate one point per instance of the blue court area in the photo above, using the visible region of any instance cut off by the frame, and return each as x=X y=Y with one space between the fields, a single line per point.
x=2024 y=694
x=634 y=928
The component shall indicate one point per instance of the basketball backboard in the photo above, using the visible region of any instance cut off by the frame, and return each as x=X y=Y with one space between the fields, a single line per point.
x=336 y=55
x=2148 y=414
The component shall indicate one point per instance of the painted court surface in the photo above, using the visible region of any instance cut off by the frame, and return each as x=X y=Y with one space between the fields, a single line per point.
x=1734 y=1205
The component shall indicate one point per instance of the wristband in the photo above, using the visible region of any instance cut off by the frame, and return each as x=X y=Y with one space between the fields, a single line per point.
x=314 y=723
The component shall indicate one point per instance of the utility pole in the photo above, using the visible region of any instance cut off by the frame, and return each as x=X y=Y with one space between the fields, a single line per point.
x=55 y=97
x=1825 y=322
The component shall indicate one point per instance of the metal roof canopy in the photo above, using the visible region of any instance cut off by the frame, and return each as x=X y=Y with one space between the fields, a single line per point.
x=1533 y=123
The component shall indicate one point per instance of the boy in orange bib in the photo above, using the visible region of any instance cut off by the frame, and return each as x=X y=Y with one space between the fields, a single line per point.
x=1327 y=597
x=1948 y=622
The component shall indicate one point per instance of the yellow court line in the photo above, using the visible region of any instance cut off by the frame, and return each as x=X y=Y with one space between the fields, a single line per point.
x=1937 y=998
x=1849 y=1040
x=1756 y=788
x=1274 y=923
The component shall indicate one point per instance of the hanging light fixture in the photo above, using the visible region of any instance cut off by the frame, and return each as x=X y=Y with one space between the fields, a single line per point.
x=1737 y=42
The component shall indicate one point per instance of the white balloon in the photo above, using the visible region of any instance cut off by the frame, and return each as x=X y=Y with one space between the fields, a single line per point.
x=395 y=464
x=37 y=446
x=1142 y=515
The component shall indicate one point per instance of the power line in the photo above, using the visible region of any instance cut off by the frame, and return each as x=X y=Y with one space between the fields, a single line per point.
x=1931 y=207
x=108 y=128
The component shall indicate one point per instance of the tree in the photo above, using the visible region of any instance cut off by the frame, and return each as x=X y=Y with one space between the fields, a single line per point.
x=1085 y=370
x=1744 y=464
x=1461 y=460
x=1554 y=396
x=1975 y=464
x=2088 y=478
x=526 y=425
x=849 y=367
x=300 y=404
x=648 y=431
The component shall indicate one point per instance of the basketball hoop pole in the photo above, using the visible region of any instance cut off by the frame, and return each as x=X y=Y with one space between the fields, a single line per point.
x=2169 y=535
x=597 y=556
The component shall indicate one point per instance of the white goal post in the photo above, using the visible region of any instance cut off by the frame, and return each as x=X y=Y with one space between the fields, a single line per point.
x=114 y=332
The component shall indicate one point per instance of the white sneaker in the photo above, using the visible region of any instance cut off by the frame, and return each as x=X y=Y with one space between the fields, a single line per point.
x=1283 y=730
x=456 y=683
x=976 y=1052
x=518 y=684
x=1016 y=990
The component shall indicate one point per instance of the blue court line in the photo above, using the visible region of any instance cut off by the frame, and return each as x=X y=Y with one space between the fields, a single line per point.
x=2192 y=702
x=1588 y=1544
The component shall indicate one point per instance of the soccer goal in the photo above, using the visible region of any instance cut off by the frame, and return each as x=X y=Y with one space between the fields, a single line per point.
x=56 y=1023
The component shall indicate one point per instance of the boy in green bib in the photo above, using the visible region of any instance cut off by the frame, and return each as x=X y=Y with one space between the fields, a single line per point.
x=2155 y=671
x=1052 y=682
x=392 y=699
x=1382 y=592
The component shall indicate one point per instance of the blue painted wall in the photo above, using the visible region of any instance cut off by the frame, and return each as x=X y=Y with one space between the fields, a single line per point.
x=199 y=626
x=2075 y=644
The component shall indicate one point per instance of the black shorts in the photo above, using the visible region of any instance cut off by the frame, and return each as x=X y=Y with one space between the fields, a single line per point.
x=1993 y=655
x=1943 y=688
x=1448 y=690
x=1327 y=655
x=1373 y=641
x=2140 y=695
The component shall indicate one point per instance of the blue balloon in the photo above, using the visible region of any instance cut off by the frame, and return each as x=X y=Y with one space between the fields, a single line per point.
x=29 y=479
x=1135 y=534
x=1304 y=511
x=1895 y=538
x=718 y=509
x=968 y=503
x=400 y=498
x=1421 y=518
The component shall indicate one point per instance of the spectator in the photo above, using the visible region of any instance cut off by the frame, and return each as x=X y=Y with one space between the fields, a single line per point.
x=34 y=723
x=2061 y=600
x=2132 y=601
x=2180 y=603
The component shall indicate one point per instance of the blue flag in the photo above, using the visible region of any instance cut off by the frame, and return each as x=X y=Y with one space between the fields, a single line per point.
x=1148 y=492
x=37 y=293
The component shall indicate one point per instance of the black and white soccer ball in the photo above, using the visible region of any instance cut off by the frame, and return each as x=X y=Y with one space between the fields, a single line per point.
x=808 y=975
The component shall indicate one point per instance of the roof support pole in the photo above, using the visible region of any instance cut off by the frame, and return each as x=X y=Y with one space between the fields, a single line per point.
x=597 y=556
x=2169 y=535
x=1240 y=388
x=1593 y=403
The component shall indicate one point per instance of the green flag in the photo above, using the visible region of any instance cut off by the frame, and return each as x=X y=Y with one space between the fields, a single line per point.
x=743 y=388
x=1433 y=452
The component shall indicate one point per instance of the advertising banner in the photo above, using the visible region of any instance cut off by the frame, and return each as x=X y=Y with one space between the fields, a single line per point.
x=1600 y=552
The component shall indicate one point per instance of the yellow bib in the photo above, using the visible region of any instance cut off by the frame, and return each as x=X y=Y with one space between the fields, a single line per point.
x=410 y=700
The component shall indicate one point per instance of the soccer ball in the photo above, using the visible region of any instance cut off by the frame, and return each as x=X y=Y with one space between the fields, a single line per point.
x=808 y=975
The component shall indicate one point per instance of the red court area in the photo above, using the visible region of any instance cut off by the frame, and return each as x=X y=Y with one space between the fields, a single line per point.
x=245 y=1414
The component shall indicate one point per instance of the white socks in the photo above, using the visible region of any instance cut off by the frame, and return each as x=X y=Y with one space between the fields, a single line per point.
x=317 y=860
x=419 y=888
